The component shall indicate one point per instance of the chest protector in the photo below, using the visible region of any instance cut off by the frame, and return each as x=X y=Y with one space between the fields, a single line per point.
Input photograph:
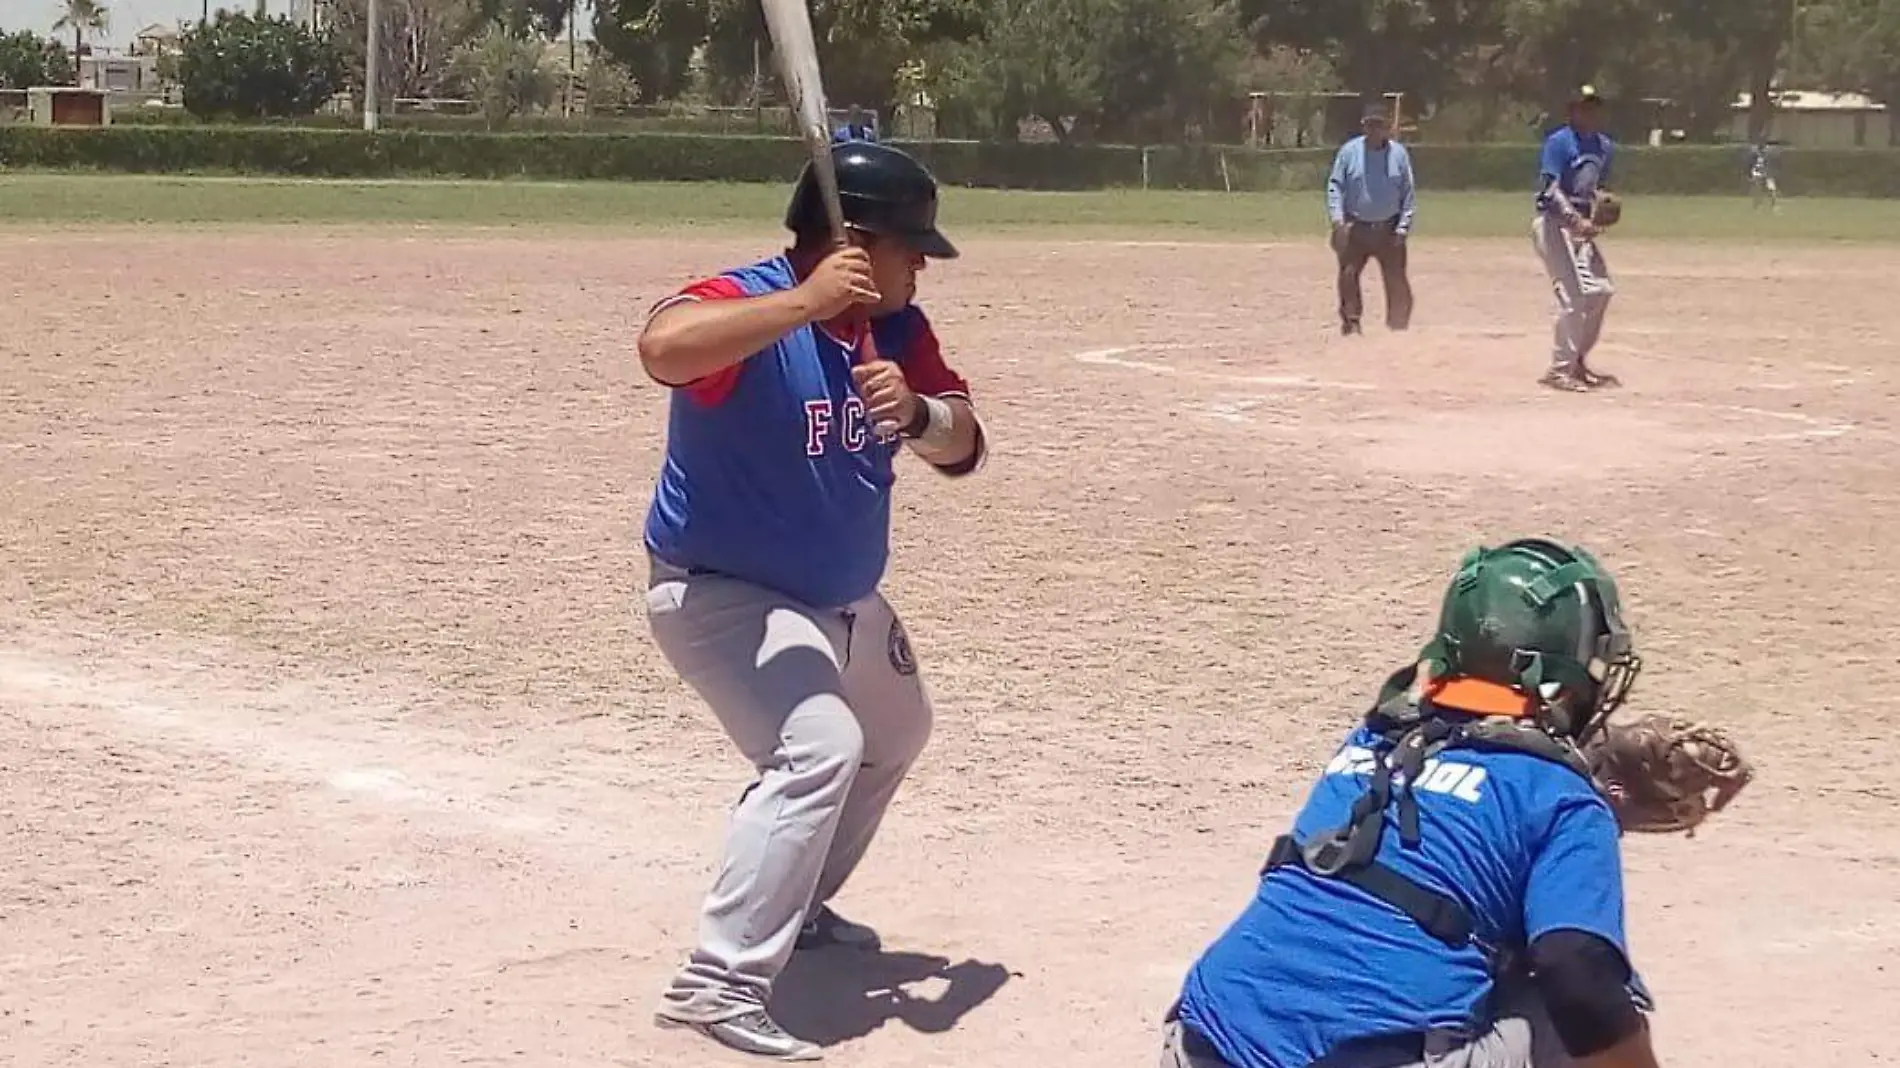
x=1414 y=734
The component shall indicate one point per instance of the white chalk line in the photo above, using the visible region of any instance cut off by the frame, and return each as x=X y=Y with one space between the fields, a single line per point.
x=1116 y=357
x=344 y=749
x=1236 y=410
x=1817 y=427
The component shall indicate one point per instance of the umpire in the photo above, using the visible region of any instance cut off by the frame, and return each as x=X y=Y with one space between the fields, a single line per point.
x=1369 y=199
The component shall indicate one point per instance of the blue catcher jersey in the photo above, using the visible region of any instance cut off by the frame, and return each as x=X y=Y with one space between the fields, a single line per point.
x=1524 y=844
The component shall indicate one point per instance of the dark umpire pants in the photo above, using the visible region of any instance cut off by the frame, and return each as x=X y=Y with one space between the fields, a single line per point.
x=1354 y=244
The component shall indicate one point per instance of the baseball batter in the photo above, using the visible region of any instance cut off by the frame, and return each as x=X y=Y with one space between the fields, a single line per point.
x=795 y=382
x=1451 y=894
x=1575 y=166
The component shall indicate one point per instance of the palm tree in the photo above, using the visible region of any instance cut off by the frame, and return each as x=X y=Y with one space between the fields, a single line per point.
x=82 y=17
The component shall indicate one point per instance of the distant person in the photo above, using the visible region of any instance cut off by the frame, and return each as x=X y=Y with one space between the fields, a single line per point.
x=1575 y=164
x=1763 y=159
x=1370 y=200
x=856 y=128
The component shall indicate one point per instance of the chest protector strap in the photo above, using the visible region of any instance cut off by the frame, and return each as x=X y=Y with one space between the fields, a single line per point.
x=1442 y=917
x=1414 y=736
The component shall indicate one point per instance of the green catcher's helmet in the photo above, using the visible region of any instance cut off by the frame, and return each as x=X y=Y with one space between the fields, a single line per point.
x=1535 y=629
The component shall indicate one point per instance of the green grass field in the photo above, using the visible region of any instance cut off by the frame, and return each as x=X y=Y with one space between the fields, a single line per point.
x=68 y=200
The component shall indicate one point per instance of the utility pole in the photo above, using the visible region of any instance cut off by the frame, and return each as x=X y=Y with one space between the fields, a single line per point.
x=370 y=65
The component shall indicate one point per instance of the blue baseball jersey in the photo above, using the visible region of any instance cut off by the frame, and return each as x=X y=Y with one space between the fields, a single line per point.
x=1579 y=162
x=773 y=471
x=1527 y=846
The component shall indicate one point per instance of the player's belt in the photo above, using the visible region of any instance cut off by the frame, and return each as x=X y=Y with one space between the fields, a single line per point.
x=1196 y=1046
x=1193 y=1043
x=1441 y=916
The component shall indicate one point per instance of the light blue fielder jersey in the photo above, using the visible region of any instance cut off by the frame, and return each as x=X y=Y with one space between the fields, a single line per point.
x=1579 y=162
x=1526 y=845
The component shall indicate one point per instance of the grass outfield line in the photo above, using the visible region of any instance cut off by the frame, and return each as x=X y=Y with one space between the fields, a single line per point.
x=77 y=200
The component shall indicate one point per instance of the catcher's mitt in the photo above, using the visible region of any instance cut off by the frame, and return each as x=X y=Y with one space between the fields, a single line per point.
x=1664 y=774
x=1607 y=210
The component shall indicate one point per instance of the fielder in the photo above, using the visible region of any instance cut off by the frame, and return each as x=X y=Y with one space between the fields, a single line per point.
x=768 y=536
x=1761 y=176
x=1451 y=895
x=1574 y=207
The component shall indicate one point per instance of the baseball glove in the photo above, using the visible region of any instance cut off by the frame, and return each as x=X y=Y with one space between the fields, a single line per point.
x=1664 y=774
x=1607 y=210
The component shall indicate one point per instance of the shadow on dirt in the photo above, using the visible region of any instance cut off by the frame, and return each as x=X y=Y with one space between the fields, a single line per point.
x=837 y=995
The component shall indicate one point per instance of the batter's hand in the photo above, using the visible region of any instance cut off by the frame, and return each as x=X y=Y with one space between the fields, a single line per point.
x=887 y=396
x=840 y=280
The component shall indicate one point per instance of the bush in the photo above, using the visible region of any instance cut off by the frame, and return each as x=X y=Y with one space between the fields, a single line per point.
x=250 y=68
x=324 y=152
x=290 y=150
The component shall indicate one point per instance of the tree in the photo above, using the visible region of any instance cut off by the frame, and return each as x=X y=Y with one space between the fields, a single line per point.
x=1548 y=48
x=544 y=18
x=418 y=42
x=27 y=59
x=508 y=72
x=863 y=44
x=1700 y=53
x=1031 y=60
x=1165 y=64
x=82 y=17
x=1141 y=70
x=611 y=87
x=1855 y=44
x=654 y=41
x=1381 y=46
x=252 y=67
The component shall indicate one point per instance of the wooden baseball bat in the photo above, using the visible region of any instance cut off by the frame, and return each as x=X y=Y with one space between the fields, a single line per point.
x=796 y=56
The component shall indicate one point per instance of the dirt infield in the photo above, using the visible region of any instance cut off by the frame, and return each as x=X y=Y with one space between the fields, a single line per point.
x=330 y=734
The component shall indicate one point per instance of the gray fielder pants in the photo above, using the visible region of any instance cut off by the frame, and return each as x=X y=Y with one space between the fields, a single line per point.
x=827 y=704
x=1581 y=281
x=1520 y=1037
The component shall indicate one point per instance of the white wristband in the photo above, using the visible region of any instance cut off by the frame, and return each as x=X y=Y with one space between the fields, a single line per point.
x=939 y=422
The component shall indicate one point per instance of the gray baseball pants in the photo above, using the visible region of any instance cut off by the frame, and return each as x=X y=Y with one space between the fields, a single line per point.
x=827 y=704
x=1521 y=1037
x=1581 y=281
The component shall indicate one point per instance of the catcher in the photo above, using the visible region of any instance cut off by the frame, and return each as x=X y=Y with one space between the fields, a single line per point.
x=1574 y=206
x=1451 y=895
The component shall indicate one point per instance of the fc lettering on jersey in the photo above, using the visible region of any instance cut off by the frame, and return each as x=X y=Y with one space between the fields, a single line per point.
x=818 y=426
x=1445 y=777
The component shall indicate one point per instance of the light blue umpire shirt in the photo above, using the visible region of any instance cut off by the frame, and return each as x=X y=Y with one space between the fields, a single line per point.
x=1371 y=184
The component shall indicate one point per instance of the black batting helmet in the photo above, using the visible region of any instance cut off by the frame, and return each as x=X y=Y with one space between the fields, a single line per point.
x=882 y=191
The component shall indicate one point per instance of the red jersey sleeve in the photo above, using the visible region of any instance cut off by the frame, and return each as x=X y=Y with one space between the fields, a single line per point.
x=716 y=387
x=924 y=369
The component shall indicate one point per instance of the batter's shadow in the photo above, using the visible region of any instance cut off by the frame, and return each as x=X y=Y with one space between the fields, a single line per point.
x=836 y=995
